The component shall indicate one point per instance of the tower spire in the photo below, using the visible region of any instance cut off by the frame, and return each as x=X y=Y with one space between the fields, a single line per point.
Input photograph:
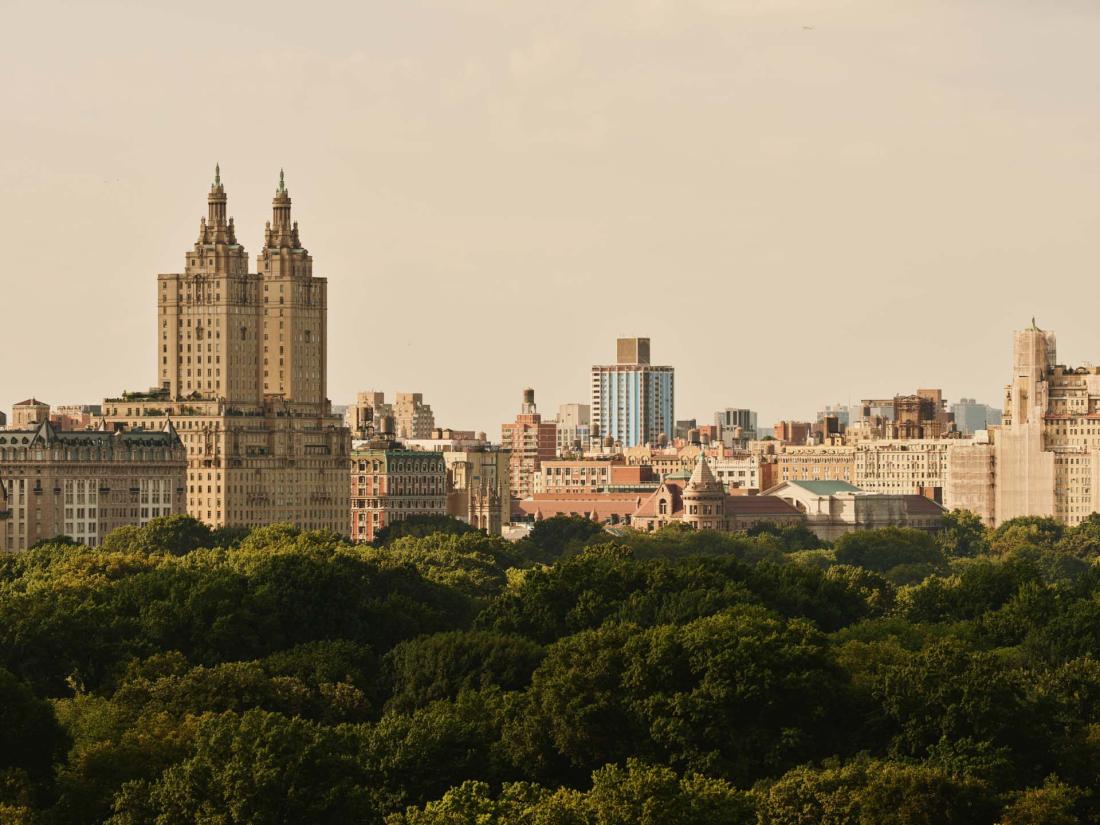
x=280 y=220
x=214 y=230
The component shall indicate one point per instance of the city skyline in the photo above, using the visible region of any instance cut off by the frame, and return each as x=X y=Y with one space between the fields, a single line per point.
x=471 y=156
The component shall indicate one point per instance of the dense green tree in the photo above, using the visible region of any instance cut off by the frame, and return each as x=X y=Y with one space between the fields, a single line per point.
x=634 y=793
x=737 y=695
x=886 y=548
x=258 y=768
x=440 y=666
x=870 y=792
x=421 y=526
x=276 y=675
x=1053 y=803
x=176 y=535
x=963 y=535
x=1025 y=531
x=791 y=537
x=947 y=693
x=31 y=740
x=413 y=758
x=472 y=563
x=552 y=538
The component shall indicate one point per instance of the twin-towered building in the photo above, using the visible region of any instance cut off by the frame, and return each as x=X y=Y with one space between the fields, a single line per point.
x=241 y=369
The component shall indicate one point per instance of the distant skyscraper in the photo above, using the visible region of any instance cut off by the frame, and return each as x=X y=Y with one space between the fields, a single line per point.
x=840 y=412
x=732 y=417
x=970 y=416
x=633 y=401
x=574 y=427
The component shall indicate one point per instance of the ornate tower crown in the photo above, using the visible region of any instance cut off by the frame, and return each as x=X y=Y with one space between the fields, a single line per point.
x=281 y=232
x=216 y=227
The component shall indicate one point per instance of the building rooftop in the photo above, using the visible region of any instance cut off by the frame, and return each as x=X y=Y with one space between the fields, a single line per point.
x=826 y=488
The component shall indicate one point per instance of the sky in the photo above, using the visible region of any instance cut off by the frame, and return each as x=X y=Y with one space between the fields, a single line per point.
x=800 y=202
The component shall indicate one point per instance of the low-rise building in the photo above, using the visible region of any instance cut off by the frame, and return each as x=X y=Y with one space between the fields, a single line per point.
x=833 y=508
x=83 y=484
x=703 y=503
x=603 y=508
x=737 y=471
x=390 y=483
x=824 y=462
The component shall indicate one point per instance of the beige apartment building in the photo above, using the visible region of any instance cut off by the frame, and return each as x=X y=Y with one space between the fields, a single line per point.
x=412 y=418
x=815 y=463
x=83 y=484
x=1044 y=459
x=903 y=466
x=573 y=476
x=1048 y=446
x=970 y=482
x=241 y=363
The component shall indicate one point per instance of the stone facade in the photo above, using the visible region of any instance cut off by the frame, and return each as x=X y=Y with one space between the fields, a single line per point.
x=1048 y=446
x=971 y=479
x=242 y=374
x=903 y=466
x=477 y=487
x=27 y=415
x=390 y=484
x=817 y=463
x=833 y=508
x=83 y=484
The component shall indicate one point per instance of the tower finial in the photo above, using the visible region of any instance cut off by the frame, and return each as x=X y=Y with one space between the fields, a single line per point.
x=217 y=174
x=282 y=184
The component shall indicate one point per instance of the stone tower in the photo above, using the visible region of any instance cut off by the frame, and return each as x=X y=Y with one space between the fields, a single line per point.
x=241 y=373
x=294 y=310
x=704 y=498
x=209 y=329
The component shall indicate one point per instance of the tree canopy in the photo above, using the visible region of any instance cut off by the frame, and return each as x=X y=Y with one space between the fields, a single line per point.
x=178 y=674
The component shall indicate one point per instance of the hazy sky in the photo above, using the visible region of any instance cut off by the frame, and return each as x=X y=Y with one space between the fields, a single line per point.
x=798 y=201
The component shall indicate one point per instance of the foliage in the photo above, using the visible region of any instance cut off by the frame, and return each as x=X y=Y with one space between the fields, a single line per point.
x=888 y=548
x=178 y=674
x=552 y=538
x=421 y=526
